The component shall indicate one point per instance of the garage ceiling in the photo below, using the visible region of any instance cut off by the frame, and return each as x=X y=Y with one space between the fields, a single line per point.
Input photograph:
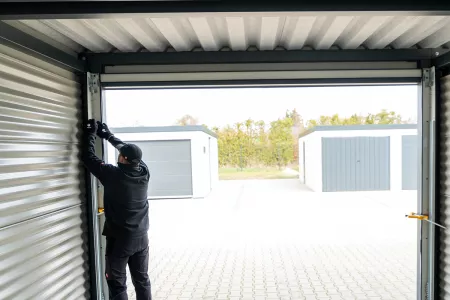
x=240 y=32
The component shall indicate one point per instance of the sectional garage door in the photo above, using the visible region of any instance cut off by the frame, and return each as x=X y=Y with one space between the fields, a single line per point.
x=443 y=209
x=170 y=164
x=355 y=164
x=43 y=249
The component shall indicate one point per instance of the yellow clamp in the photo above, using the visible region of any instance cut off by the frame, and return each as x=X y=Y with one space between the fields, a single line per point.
x=416 y=216
x=100 y=210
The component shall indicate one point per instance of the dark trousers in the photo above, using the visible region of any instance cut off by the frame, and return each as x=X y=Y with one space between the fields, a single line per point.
x=119 y=253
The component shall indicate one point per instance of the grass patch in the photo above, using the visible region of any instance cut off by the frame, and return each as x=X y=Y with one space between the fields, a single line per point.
x=295 y=167
x=254 y=173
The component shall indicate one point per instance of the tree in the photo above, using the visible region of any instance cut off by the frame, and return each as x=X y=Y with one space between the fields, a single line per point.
x=384 y=117
x=298 y=127
x=254 y=143
x=281 y=142
x=187 y=120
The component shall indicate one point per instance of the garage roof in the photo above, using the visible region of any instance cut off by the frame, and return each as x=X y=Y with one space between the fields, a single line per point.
x=183 y=32
x=187 y=128
x=358 y=127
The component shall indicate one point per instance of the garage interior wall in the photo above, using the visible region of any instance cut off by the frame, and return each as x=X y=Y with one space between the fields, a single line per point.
x=443 y=209
x=377 y=36
x=43 y=234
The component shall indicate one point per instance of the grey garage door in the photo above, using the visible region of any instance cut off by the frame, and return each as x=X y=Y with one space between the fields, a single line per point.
x=355 y=164
x=170 y=164
x=43 y=227
x=409 y=162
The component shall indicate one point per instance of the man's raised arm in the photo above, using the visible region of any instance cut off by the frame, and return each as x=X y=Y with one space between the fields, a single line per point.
x=94 y=164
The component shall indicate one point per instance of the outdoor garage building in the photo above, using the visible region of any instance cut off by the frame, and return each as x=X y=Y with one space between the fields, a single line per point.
x=183 y=160
x=359 y=158
x=57 y=58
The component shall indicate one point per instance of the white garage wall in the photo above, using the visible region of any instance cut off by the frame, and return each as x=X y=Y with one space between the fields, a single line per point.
x=214 y=158
x=315 y=139
x=199 y=150
x=313 y=161
x=201 y=164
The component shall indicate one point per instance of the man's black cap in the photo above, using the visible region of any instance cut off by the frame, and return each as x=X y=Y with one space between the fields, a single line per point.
x=131 y=152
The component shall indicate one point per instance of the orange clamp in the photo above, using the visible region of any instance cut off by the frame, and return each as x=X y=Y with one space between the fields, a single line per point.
x=416 y=216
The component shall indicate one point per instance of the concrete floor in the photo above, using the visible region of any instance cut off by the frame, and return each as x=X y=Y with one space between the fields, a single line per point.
x=277 y=240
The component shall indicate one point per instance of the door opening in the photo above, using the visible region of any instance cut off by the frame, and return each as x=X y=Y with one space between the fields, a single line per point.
x=348 y=140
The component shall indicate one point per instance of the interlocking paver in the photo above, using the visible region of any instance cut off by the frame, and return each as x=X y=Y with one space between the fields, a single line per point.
x=275 y=240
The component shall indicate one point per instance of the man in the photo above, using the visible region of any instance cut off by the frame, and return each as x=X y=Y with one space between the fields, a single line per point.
x=126 y=212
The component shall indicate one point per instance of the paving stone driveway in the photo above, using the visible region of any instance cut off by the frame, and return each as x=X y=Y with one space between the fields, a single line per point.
x=277 y=240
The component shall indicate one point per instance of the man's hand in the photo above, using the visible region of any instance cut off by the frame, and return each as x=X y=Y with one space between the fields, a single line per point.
x=91 y=127
x=103 y=131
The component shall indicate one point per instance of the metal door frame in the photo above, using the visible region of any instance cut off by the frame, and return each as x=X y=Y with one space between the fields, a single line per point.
x=426 y=131
x=94 y=109
x=426 y=185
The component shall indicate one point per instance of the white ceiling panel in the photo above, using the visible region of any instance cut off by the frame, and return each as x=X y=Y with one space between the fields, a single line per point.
x=296 y=31
x=79 y=33
x=424 y=29
x=242 y=32
x=391 y=31
x=360 y=30
x=237 y=34
x=269 y=33
x=205 y=34
x=143 y=33
x=331 y=31
x=437 y=39
x=114 y=34
x=174 y=33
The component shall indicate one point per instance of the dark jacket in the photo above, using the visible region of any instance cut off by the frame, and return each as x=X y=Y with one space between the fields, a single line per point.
x=125 y=192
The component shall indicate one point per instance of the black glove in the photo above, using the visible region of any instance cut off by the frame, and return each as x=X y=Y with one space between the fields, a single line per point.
x=91 y=127
x=103 y=131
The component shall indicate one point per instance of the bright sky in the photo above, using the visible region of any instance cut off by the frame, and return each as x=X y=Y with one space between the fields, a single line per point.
x=218 y=107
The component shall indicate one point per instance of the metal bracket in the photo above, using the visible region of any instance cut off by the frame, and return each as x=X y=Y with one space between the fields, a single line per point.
x=423 y=218
x=428 y=77
x=431 y=80
x=94 y=83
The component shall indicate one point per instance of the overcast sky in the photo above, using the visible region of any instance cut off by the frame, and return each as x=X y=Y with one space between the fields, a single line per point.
x=218 y=107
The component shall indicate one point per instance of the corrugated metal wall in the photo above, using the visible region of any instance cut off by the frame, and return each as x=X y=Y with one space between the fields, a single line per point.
x=43 y=242
x=443 y=237
x=355 y=164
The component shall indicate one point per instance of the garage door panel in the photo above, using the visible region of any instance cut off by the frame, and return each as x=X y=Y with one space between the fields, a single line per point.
x=166 y=182
x=162 y=150
x=443 y=209
x=355 y=164
x=43 y=236
x=43 y=246
x=167 y=193
x=170 y=166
